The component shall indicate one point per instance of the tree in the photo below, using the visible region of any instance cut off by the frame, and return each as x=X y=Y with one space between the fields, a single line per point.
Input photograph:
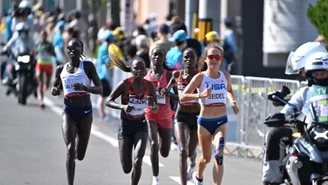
x=318 y=16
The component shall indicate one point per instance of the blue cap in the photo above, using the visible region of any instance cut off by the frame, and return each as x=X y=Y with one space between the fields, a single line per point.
x=180 y=36
x=109 y=36
x=228 y=21
x=60 y=25
x=10 y=10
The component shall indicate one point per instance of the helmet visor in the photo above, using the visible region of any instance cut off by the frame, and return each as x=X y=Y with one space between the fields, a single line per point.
x=290 y=64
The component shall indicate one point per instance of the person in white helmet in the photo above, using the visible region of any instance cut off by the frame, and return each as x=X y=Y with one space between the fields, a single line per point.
x=23 y=15
x=316 y=95
x=279 y=137
x=21 y=44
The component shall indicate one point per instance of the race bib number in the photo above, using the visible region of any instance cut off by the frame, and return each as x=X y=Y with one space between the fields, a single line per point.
x=69 y=83
x=139 y=109
x=160 y=99
x=45 y=56
x=323 y=110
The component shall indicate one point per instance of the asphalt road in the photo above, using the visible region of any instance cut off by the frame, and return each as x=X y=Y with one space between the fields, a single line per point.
x=33 y=151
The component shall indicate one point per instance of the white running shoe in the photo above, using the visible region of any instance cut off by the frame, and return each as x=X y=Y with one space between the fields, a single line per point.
x=174 y=147
x=196 y=182
x=155 y=181
x=190 y=171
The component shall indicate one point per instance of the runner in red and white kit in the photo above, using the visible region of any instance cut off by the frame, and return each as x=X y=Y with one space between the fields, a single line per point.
x=136 y=94
x=160 y=124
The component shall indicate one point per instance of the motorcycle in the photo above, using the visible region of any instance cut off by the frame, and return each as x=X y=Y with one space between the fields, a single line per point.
x=26 y=83
x=3 y=64
x=306 y=161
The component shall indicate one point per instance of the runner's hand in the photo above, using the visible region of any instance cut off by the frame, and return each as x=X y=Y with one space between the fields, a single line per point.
x=79 y=87
x=55 y=91
x=206 y=93
x=128 y=108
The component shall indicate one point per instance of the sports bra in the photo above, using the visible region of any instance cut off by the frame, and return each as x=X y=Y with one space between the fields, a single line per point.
x=138 y=101
x=181 y=85
x=161 y=82
x=69 y=79
x=219 y=90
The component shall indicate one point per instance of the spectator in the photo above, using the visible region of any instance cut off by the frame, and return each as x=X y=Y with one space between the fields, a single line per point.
x=142 y=44
x=174 y=55
x=163 y=41
x=103 y=72
x=230 y=39
x=213 y=37
x=192 y=43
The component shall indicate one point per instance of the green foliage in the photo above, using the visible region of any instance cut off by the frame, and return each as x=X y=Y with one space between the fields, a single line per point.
x=318 y=16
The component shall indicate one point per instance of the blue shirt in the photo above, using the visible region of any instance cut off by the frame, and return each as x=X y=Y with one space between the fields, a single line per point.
x=58 y=40
x=102 y=59
x=8 y=32
x=174 y=59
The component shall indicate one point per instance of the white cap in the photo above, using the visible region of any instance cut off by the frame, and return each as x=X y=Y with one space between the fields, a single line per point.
x=141 y=41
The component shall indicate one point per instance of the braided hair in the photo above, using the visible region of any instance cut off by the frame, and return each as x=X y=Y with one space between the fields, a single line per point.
x=116 y=61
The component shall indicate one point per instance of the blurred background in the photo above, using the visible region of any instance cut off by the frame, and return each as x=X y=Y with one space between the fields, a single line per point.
x=265 y=30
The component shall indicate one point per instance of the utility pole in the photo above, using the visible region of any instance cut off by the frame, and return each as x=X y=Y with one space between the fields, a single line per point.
x=191 y=15
x=209 y=17
x=79 y=5
x=127 y=15
x=224 y=14
x=115 y=11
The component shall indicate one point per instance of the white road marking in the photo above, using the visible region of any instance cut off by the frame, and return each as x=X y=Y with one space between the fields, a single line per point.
x=94 y=130
x=177 y=179
x=146 y=159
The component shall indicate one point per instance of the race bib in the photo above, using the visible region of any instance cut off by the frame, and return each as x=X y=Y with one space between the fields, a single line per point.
x=323 y=110
x=138 y=105
x=160 y=99
x=139 y=109
x=69 y=83
x=45 y=56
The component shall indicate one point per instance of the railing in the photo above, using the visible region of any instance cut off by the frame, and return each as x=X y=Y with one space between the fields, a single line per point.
x=251 y=96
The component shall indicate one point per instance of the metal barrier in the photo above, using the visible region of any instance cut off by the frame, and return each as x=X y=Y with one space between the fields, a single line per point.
x=247 y=131
x=251 y=95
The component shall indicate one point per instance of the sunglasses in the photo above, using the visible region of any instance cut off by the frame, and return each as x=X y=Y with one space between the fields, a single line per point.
x=73 y=47
x=216 y=57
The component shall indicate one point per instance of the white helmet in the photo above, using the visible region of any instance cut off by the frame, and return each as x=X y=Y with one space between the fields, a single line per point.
x=25 y=4
x=297 y=59
x=317 y=61
x=22 y=26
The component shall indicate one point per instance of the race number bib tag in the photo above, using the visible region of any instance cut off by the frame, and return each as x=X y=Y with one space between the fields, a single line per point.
x=138 y=110
x=323 y=110
x=138 y=105
x=160 y=99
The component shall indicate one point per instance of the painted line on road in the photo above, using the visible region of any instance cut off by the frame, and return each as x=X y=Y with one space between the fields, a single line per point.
x=177 y=179
x=94 y=130
x=104 y=137
x=146 y=159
